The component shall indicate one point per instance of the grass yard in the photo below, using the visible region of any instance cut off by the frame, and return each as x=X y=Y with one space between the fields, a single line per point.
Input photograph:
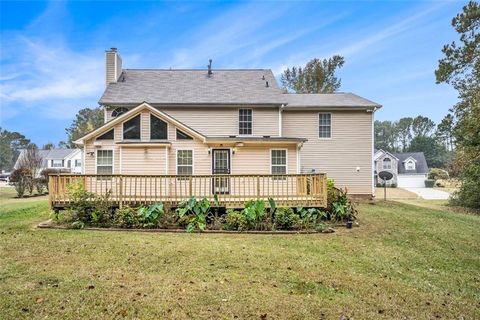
x=404 y=262
x=394 y=194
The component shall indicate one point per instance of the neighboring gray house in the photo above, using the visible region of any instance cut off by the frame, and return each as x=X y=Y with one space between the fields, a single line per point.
x=61 y=159
x=409 y=169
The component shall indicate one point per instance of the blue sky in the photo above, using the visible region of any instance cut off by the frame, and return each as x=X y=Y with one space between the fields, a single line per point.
x=52 y=53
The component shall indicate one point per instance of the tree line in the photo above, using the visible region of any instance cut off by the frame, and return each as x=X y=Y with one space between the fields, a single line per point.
x=419 y=134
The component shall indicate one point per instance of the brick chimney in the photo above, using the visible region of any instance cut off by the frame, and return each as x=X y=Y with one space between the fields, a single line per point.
x=113 y=65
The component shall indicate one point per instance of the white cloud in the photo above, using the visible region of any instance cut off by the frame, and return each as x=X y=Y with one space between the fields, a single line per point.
x=45 y=74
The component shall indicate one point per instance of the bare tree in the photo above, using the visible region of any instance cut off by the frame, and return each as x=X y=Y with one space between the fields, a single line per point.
x=32 y=160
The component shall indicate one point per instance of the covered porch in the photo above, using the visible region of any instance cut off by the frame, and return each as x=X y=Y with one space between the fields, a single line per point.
x=232 y=190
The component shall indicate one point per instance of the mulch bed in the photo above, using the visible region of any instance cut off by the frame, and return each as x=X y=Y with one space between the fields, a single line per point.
x=49 y=225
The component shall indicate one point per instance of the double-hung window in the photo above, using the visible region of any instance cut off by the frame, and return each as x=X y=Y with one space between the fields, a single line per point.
x=184 y=162
x=245 y=121
x=57 y=163
x=278 y=161
x=387 y=164
x=104 y=161
x=78 y=163
x=325 y=125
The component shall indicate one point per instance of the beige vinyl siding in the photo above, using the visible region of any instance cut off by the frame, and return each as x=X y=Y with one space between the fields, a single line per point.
x=152 y=159
x=219 y=121
x=256 y=160
x=143 y=160
x=349 y=147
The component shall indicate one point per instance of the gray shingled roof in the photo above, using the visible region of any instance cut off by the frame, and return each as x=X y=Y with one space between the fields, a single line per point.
x=157 y=86
x=328 y=100
x=57 y=153
x=420 y=166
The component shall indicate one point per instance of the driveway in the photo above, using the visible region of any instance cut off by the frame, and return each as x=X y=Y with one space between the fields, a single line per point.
x=429 y=193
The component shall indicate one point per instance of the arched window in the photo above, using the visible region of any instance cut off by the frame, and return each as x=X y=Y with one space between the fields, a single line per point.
x=410 y=165
x=118 y=111
x=387 y=164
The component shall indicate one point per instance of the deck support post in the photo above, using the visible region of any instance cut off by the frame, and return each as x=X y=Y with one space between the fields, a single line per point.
x=258 y=187
x=120 y=192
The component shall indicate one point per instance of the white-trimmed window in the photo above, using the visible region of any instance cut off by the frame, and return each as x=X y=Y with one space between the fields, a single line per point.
x=245 y=121
x=184 y=162
x=278 y=161
x=410 y=165
x=325 y=125
x=78 y=163
x=387 y=164
x=57 y=163
x=104 y=161
x=131 y=129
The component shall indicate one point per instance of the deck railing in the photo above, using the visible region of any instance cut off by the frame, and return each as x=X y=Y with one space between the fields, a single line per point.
x=307 y=190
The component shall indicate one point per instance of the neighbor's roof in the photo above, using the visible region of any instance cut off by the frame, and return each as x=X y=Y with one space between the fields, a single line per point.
x=420 y=166
x=315 y=100
x=163 y=86
x=58 y=153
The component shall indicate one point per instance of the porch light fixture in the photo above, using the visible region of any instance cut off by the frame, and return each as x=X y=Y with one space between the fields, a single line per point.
x=234 y=150
x=358 y=169
x=209 y=150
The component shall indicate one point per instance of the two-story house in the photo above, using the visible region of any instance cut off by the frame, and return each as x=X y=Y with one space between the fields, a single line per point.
x=227 y=121
x=64 y=160
x=409 y=169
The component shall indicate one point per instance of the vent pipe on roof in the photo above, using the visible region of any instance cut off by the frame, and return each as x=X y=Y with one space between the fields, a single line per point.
x=210 y=67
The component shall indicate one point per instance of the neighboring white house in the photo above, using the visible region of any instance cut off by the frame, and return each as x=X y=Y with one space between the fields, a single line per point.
x=65 y=160
x=409 y=169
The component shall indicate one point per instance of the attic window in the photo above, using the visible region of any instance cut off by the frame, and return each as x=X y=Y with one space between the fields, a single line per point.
x=387 y=164
x=106 y=136
x=183 y=136
x=131 y=129
x=410 y=165
x=118 y=111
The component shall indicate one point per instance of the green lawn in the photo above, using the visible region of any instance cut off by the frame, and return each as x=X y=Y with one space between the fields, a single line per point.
x=405 y=261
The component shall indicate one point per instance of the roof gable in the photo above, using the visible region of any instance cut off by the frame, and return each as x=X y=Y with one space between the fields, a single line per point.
x=133 y=113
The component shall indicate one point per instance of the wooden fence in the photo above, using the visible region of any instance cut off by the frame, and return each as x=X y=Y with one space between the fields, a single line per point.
x=306 y=190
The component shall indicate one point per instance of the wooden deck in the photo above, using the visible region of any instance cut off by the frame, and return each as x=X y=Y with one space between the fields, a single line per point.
x=292 y=190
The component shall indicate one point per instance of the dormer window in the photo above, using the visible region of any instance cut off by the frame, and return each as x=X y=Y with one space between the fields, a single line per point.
x=118 y=111
x=387 y=164
x=410 y=165
x=131 y=129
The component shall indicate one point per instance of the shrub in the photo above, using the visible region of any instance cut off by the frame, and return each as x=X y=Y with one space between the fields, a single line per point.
x=126 y=217
x=21 y=179
x=436 y=173
x=310 y=217
x=393 y=185
x=429 y=183
x=194 y=213
x=343 y=208
x=40 y=184
x=256 y=214
x=148 y=217
x=235 y=220
x=286 y=219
